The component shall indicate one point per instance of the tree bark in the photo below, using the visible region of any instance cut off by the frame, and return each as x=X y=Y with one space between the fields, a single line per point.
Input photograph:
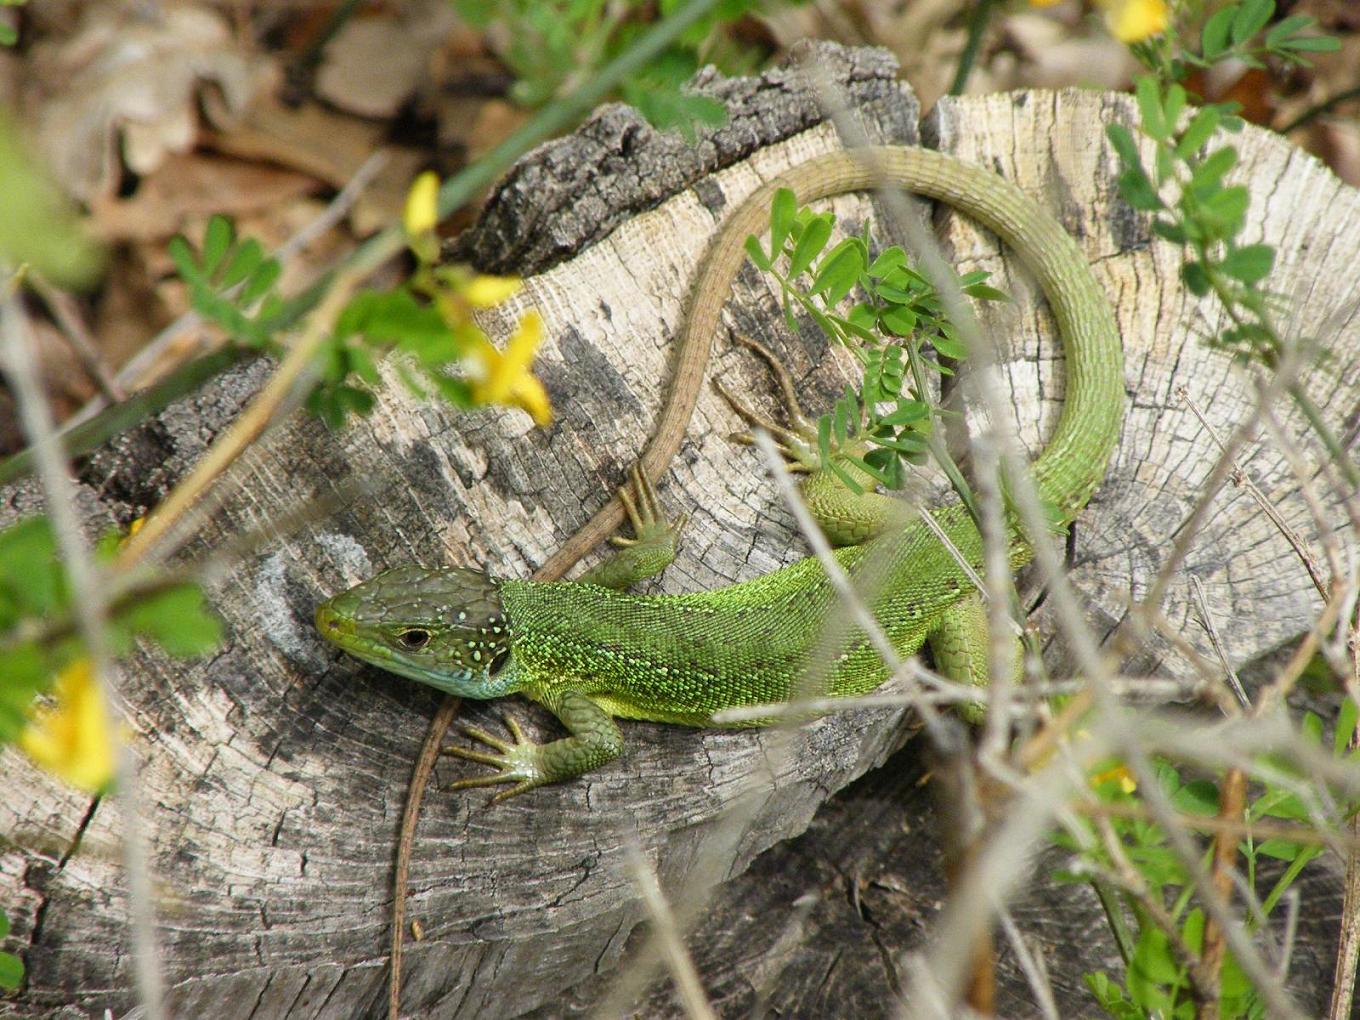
x=273 y=774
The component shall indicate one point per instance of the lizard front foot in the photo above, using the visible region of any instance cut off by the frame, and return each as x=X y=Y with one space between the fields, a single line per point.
x=517 y=761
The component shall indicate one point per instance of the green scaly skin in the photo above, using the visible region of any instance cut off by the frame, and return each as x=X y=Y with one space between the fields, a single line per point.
x=590 y=652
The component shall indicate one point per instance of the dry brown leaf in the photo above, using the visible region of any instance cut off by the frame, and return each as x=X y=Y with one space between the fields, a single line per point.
x=328 y=145
x=132 y=81
x=1337 y=143
x=195 y=186
x=376 y=64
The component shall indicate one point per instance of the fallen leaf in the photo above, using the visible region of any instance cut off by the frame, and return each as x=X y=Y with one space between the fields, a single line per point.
x=196 y=186
x=130 y=81
x=375 y=64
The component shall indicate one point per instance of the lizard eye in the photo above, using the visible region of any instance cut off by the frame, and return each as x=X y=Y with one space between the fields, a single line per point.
x=414 y=639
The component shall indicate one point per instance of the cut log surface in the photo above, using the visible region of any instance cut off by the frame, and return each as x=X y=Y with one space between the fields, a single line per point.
x=272 y=775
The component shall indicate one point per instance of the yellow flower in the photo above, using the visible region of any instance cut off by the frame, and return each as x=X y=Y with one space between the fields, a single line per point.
x=73 y=738
x=1132 y=21
x=488 y=291
x=422 y=205
x=1044 y=3
x=506 y=377
x=1119 y=773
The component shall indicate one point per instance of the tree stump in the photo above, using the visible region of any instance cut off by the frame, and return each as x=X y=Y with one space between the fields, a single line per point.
x=273 y=774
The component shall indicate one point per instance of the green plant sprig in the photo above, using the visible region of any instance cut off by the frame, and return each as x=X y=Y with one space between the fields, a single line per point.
x=37 y=638
x=1184 y=188
x=551 y=46
x=898 y=331
x=1157 y=980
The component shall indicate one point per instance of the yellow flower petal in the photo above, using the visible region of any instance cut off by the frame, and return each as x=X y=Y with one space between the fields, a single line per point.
x=1044 y=3
x=486 y=291
x=507 y=378
x=1132 y=21
x=529 y=395
x=422 y=205
x=73 y=738
x=1119 y=773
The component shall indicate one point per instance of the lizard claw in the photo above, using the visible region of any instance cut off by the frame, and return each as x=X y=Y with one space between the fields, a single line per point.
x=645 y=516
x=516 y=761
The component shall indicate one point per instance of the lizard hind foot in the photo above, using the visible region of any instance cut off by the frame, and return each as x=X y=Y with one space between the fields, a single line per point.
x=645 y=516
x=798 y=418
x=793 y=446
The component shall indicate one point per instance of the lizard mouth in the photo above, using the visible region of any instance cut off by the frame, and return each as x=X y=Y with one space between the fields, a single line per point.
x=331 y=624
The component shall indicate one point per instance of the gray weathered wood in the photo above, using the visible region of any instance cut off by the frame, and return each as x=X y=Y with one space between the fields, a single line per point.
x=273 y=775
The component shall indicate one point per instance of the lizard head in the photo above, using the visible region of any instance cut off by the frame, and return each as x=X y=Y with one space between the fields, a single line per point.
x=442 y=627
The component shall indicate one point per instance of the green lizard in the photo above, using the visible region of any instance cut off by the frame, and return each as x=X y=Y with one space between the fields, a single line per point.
x=591 y=652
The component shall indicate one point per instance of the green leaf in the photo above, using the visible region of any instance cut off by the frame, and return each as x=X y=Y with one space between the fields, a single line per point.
x=825 y=324
x=1202 y=125
x=898 y=320
x=1285 y=28
x=888 y=260
x=1172 y=231
x=847 y=479
x=810 y=243
x=1251 y=17
x=1225 y=210
x=839 y=270
x=1310 y=729
x=1199 y=797
x=1138 y=191
x=477 y=13
x=1153 y=962
x=783 y=211
x=1213 y=39
x=1196 y=279
x=1149 y=95
x=176 y=619
x=9 y=36
x=906 y=442
x=888 y=476
x=855 y=324
x=247 y=257
x=824 y=439
x=1312 y=44
x=261 y=282
x=1124 y=145
x=26 y=670
x=906 y=412
x=11 y=971
x=1345 y=726
x=217 y=238
x=896 y=295
x=32 y=582
x=983 y=292
x=950 y=347
x=39 y=225
x=1278 y=803
x=756 y=253
x=1280 y=849
x=1174 y=105
x=361 y=363
x=1208 y=176
x=1250 y=263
